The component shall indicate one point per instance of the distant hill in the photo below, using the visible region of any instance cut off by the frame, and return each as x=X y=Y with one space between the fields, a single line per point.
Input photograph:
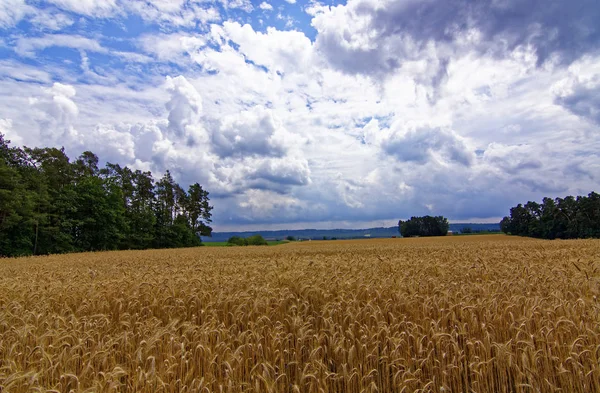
x=318 y=234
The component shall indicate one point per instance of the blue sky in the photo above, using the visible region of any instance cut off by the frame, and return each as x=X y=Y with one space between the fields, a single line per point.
x=298 y=114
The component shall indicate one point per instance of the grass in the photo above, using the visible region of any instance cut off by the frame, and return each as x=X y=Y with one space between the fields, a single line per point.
x=225 y=244
x=449 y=314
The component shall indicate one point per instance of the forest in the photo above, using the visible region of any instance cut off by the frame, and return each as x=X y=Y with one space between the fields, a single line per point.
x=50 y=204
x=559 y=218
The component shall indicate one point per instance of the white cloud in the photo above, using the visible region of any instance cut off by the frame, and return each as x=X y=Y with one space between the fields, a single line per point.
x=94 y=8
x=189 y=13
x=283 y=171
x=283 y=51
x=206 y=15
x=132 y=57
x=265 y=6
x=172 y=47
x=314 y=8
x=14 y=70
x=237 y=153
x=245 y=5
x=174 y=12
x=185 y=112
x=513 y=159
x=6 y=128
x=27 y=46
x=253 y=132
x=44 y=19
x=110 y=143
x=269 y=205
x=12 y=11
x=542 y=168
x=56 y=113
x=170 y=6
x=579 y=92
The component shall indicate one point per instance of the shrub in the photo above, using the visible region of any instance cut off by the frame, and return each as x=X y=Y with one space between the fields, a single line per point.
x=237 y=241
x=256 y=240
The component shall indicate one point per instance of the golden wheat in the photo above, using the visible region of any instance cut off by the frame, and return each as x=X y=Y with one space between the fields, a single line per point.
x=462 y=314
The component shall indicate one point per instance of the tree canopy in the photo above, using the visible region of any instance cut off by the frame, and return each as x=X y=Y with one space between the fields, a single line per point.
x=254 y=240
x=424 y=226
x=559 y=218
x=50 y=204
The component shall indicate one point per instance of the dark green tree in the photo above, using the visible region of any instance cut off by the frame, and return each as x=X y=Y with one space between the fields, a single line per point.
x=58 y=200
x=199 y=209
x=559 y=218
x=17 y=204
x=256 y=240
x=237 y=241
x=142 y=222
x=424 y=226
x=49 y=204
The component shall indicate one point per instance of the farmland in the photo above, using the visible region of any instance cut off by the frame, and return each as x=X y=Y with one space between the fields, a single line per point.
x=456 y=314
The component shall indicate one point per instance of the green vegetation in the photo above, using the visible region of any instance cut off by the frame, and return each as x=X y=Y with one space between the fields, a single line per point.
x=216 y=244
x=49 y=204
x=424 y=226
x=468 y=231
x=255 y=240
x=237 y=241
x=559 y=218
x=228 y=244
x=277 y=242
x=475 y=233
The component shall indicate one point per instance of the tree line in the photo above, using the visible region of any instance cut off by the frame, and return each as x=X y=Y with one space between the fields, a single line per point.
x=50 y=204
x=424 y=226
x=255 y=240
x=559 y=218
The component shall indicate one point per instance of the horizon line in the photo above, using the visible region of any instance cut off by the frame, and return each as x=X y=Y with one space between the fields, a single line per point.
x=340 y=229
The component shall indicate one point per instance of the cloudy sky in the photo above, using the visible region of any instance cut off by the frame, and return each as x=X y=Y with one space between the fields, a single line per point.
x=306 y=114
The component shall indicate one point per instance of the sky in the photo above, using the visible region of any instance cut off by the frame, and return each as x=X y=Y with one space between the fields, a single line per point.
x=305 y=114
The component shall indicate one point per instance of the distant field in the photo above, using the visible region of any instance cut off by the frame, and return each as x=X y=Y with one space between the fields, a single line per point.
x=479 y=234
x=453 y=314
x=225 y=244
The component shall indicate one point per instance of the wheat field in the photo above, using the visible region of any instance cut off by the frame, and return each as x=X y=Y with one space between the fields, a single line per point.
x=456 y=314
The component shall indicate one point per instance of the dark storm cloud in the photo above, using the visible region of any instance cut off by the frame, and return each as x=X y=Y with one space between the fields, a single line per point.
x=288 y=172
x=546 y=186
x=568 y=28
x=584 y=101
x=399 y=30
x=418 y=145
